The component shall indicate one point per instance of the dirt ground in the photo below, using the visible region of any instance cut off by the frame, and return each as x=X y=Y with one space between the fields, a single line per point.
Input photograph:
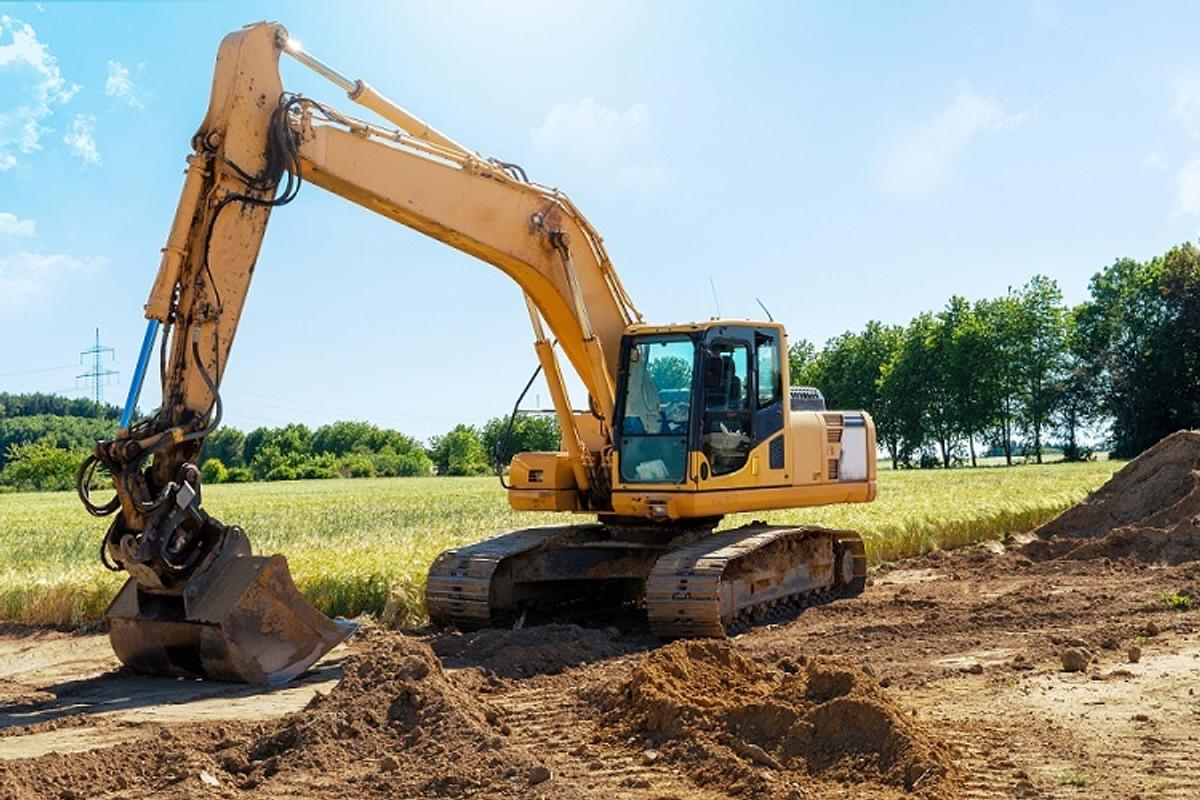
x=1061 y=663
x=966 y=645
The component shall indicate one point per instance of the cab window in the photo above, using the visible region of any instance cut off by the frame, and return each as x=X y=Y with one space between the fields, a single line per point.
x=726 y=439
x=770 y=377
x=657 y=410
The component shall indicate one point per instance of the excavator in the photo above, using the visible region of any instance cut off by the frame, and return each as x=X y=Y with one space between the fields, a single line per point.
x=684 y=425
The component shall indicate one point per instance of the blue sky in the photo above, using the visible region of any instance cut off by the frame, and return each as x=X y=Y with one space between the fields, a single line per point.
x=842 y=162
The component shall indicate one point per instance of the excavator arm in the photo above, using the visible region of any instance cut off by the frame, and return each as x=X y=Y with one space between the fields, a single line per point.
x=197 y=602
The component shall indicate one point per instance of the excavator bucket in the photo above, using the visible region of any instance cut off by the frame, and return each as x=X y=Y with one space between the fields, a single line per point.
x=243 y=620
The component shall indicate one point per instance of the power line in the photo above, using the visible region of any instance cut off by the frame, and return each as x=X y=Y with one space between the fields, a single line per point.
x=97 y=375
x=35 y=371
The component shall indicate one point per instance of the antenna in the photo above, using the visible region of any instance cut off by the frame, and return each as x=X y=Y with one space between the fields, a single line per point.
x=716 y=300
x=97 y=375
x=764 y=308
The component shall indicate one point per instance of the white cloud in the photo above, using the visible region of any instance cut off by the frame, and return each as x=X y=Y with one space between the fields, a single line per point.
x=1187 y=189
x=81 y=138
x=33 y=86
x=120 y=85
x=10 y=225
x=923 y=159
x=25 y=275
x=605 y=143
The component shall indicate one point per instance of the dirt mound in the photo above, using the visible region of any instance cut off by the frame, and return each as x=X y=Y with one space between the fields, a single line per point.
x=540 y=650
x=728 y=718
x=1147 y=511
x=394 y=725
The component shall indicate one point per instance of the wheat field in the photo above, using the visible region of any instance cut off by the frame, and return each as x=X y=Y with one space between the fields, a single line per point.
x=363 y=546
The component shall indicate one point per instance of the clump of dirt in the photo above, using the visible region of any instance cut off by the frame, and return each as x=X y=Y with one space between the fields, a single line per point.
x=728 y=718
x=394 y=725
x=1148 y=511
x=396 y=714
x=540 y=650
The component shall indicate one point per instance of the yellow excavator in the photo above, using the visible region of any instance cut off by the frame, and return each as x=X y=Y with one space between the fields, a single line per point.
x=685 y=423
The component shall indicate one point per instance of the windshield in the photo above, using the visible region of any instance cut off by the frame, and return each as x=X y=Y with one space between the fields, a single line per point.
x=657 y=409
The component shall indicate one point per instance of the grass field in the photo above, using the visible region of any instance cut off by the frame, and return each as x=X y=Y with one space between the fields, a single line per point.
x=363 y=546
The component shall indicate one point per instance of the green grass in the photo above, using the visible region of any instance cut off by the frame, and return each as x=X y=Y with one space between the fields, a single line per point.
x=1179 y=602
x=363 y=546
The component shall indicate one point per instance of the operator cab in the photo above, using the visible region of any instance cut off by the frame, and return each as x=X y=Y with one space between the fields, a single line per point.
x=715 y=389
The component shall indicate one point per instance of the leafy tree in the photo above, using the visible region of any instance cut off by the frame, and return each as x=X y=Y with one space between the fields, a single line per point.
x=40 y=466
x=1041 y=353
x=1000 y=318
x=967 y=352
x=1138 y=335
x=802 y=364
x=849 y=371
x=671 y=373
x=67 y=433
x=1078 y=394
x=530 y=433
x=226 y=445
x=459 y=452
x=906 y=388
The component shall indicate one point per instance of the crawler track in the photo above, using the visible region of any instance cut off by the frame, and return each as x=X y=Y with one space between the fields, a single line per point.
x=719 y=584
x=728 y=581
x=459 y=590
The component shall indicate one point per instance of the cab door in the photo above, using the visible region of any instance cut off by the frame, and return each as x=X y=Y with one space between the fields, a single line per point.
x=740 y=410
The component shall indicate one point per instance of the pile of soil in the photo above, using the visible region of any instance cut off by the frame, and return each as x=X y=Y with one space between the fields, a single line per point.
x=394 y=725
x=540 y=650
x=1146 y=512
x=744 y=729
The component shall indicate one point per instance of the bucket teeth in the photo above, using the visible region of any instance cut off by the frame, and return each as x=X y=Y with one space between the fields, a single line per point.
x=243 y=620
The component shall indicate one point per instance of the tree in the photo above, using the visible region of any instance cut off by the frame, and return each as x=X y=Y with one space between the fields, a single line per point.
x=1041 y=355
x=76 y=434
x=671 y=373
x=906 y=386
x=459 y=452
x=849 y=371
x=1079 y=393
x=530 y=433
x=968 y=351
x=1138 y=336
x=40 y=466
x=226 y=445
x=802 y=366
x=1000 y=319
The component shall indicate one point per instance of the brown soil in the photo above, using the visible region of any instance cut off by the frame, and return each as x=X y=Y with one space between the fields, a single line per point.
x=1146 y=512
x=946 y=679
x=722 y=717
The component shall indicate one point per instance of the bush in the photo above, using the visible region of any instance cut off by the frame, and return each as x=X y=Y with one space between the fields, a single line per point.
x=239 y=475
x=213 y=471
x=40 y=466
x=357 y=465
x=459 y=452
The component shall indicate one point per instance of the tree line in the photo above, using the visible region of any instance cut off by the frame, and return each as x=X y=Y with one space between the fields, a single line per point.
x=43 y=439
x=364 y=450
x=1011 y=374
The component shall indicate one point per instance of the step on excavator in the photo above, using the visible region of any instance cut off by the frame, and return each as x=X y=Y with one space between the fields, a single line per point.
x=685 y=423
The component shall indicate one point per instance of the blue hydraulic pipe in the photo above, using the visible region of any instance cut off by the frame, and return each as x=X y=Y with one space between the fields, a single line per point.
x=139 y=375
